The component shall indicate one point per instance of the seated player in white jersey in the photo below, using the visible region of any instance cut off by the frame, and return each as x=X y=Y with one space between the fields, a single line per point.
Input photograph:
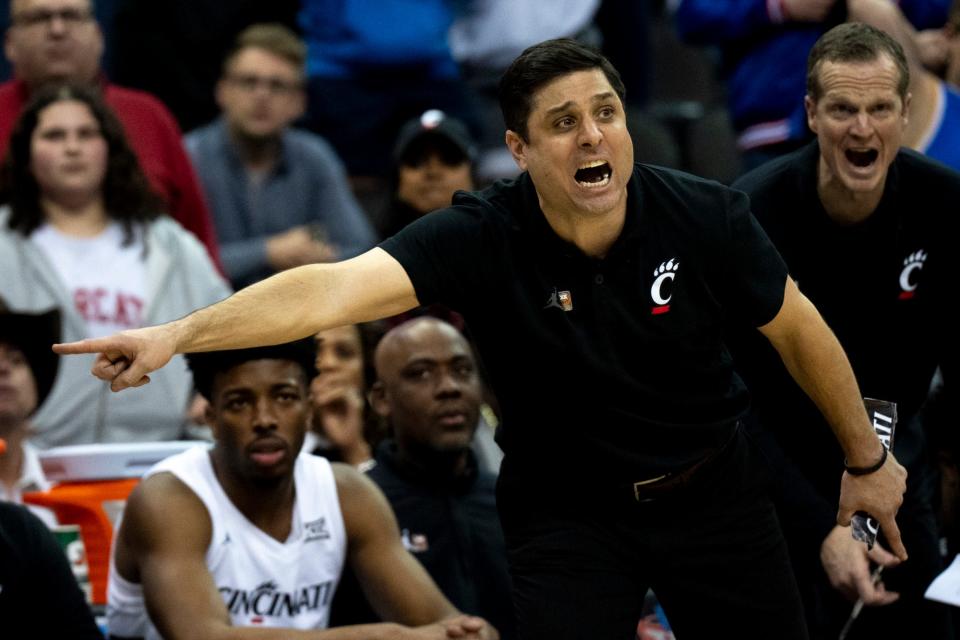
x=248 y=539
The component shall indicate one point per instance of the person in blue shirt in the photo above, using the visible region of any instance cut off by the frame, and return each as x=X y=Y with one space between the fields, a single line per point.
x=764 y=46
x=373 y=66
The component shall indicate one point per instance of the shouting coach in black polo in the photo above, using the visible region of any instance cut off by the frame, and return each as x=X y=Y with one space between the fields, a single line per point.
x=597 y=291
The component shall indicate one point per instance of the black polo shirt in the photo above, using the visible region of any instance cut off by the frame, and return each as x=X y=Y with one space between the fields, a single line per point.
x=885 y=286
x=612 y=367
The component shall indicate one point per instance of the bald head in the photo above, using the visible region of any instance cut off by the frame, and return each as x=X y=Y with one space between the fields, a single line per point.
x=401 y=340
x=427 y=387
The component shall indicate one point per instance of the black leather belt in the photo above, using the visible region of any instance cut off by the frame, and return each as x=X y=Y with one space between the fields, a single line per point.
x=653 y=488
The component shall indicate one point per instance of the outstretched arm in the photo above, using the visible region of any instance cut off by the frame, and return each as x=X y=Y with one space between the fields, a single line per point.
x=290 y=305
x=816 y=361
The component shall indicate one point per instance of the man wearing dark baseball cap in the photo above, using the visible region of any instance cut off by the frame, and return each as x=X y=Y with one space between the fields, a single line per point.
x=28 y=368
x=434 y=157
x=436 y=126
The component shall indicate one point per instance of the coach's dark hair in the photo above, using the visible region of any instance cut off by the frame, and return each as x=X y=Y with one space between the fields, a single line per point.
x=205 y=366
x=127 y=196
x=540 y=64
x=855 y=42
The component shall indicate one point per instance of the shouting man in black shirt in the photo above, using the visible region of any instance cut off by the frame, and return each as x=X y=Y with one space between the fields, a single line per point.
x=868 y=230
x=598 y=292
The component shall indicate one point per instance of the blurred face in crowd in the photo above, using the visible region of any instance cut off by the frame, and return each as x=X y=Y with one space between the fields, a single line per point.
x=579 y=152
x=53 y=41
x=859 y=121
x=428 y=387
x=68 y=153
x=340 y=356
x=431 y=172
x=261 y=93
x=258 y=414
x=18 y=390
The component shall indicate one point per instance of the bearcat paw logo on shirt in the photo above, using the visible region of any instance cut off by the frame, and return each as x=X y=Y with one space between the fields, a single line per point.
x=908 y=282
x=663 y=274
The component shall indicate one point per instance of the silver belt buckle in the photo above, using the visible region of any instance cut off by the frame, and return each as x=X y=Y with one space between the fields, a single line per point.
x=638 y=485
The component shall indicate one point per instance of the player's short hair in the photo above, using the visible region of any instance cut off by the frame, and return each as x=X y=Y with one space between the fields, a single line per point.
x=206 y=365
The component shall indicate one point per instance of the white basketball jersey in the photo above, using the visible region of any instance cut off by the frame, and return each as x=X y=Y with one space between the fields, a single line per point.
x=264 y=582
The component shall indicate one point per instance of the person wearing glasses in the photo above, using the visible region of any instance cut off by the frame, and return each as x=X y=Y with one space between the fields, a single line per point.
x=280 y=196
x=59 y=41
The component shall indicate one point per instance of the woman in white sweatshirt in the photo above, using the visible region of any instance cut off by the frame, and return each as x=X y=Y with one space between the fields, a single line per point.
x=81 y=230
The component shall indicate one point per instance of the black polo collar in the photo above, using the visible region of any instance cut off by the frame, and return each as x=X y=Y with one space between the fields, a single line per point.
x=534 y=223
x=808 y=184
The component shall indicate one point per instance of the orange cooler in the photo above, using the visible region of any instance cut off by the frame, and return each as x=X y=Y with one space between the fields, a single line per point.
x=91 y=485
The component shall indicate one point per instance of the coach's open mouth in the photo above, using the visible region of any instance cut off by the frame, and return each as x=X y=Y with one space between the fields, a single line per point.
x=862 y=158
x=594 y=174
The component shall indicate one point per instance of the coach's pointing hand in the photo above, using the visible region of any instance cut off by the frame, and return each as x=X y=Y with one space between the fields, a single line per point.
x=126 y=358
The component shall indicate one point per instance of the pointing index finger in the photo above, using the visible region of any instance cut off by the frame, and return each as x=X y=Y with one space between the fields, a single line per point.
x=90 y=345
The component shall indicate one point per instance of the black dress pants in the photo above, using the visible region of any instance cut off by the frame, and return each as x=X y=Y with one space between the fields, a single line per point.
x=582 y=561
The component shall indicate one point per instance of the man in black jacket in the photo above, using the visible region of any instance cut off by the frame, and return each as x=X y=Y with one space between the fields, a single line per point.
x=428 y=389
